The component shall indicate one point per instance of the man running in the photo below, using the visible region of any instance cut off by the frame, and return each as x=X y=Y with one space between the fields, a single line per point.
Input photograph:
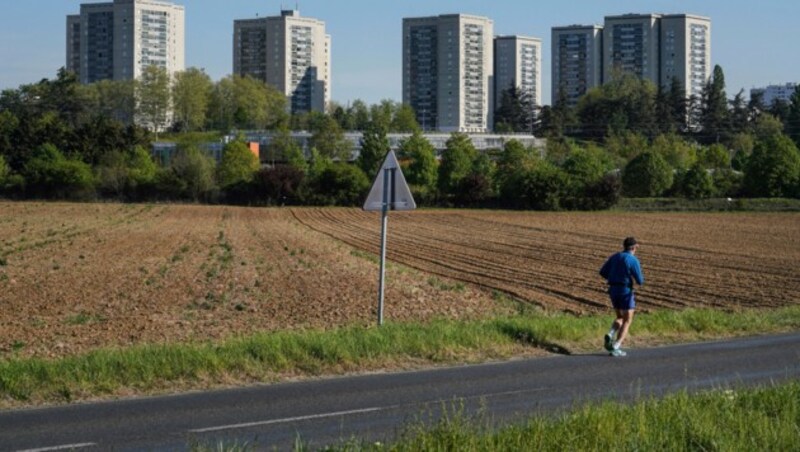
x=621 y=270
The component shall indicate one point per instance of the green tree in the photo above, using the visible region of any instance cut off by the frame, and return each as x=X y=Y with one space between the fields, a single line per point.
x=5 y=172
x=191 y=94
x=329 y=140
x=422 y=171
x=714 y=108
x=338 y=184
x=258 y=105
x=697 y=183
x=678 y=106
x=543 y=186
x=238 y=164
x=153 y=97
x=516 y=111
x=626 y=145
x=112 y=174
x=715 y=156
x=114 y=99
x=189 y=175
x=222 y=104
x=773 y=170
x=587 y=165
x=792 y=124
x=374 y=147
x=142 y=169
x=742 y=145
x=9 y=129
x=767 y=126
x=755 y=106
x=561 y=116
x=648 y=175
x=405 y=120
x=779 y=109
x=738 y=115
x=360 y=114
x=456 y=162
x=284 y=148
x=341 y=115
x=383 y=113
x=677 y=153
x=627 y=103
x=50 y=174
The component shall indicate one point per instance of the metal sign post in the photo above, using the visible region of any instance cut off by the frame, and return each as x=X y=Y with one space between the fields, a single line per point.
x=389 y=192
x=384 y=222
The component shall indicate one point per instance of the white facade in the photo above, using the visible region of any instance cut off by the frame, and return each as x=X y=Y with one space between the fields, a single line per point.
x=686 y=51
x=289 y=52
x=118 y=40
x=772 y=93
x=518 y=62
x=654 y=47
x=577 y=61
x=448 y=72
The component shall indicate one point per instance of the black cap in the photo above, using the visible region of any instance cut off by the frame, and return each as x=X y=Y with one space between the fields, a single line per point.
x=629 y=242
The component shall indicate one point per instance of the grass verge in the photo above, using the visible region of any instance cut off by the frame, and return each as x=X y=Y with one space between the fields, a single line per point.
x=766 y=418
x=281 y=355
x=708 y=205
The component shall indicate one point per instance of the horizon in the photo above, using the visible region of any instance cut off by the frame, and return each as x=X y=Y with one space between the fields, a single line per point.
x=370 y=69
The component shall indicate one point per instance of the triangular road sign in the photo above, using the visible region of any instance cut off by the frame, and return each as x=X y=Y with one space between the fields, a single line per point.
x=390 y=187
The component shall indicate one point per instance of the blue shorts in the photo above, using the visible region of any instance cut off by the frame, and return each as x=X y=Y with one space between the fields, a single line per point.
x=623 y=302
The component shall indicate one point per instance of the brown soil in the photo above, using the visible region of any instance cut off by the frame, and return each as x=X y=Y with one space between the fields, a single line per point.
x=551 y=259
x=81 y=276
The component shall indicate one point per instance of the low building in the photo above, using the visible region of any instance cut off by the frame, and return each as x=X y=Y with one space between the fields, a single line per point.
x=163 y=152
x=481 y=141
x=772 y=93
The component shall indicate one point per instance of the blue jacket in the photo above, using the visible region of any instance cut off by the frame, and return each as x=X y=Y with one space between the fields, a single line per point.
x=621 y=270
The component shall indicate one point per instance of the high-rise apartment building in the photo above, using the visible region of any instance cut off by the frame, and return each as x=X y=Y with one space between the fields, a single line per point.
x=518 y=62
x=289 y=52
x=631 y=44
x=577 y=61
x=686 y=51
x=118 y=40
x=448 y=71
x=654 y=47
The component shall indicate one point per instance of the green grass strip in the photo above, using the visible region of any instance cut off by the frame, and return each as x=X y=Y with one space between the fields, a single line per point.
x=269 y=356
x=766 y=418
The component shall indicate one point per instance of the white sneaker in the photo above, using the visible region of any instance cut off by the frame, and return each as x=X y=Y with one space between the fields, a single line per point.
x=618 y=352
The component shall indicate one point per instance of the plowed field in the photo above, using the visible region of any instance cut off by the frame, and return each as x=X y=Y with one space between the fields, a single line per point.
x=74 y=277
x=552 y=259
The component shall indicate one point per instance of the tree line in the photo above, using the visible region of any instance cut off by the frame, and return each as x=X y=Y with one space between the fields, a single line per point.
x=60 y=139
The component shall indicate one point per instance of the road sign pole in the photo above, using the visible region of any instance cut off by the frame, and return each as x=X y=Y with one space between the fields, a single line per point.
x=384 y=221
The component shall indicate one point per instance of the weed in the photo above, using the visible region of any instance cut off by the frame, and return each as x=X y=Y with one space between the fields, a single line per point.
x=84 y=318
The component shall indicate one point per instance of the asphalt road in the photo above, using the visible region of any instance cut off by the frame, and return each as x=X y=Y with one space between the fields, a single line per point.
x=378 y=406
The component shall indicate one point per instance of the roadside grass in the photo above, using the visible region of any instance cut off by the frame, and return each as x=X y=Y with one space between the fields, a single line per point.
x=765 y=418
x=282 y=355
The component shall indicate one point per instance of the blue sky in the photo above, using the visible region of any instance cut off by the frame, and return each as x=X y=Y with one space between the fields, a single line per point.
x=753 y=41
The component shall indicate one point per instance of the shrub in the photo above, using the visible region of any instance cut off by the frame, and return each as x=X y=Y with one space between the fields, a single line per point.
x=647 y=175
x=337 y=184
x=279 y=185
x=773 y=170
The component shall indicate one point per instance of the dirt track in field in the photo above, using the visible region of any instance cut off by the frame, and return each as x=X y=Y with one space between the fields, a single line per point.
x=551 y=259
x=75 y=277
